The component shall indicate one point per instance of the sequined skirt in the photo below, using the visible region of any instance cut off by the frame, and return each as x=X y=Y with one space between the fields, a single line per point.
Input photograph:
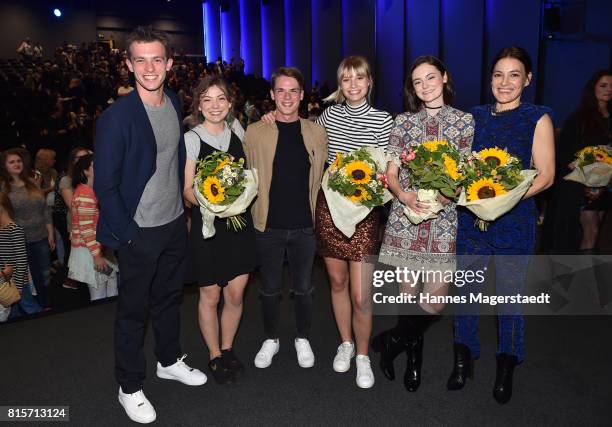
x=333 y=244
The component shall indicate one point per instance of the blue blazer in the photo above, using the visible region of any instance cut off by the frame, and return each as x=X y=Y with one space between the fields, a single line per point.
x=125 y=155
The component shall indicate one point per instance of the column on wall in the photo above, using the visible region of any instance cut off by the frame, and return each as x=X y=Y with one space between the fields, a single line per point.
x=326 y=41
x=212 y=33
x=230 y=29
x=390 y=54
x=272 y=36
x=250 y=36
x=298 y=45
x=462 y=41
x=358 y=29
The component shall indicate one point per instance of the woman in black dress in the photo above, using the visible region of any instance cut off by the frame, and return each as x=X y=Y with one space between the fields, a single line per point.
x=220 y=264
x=574 y=208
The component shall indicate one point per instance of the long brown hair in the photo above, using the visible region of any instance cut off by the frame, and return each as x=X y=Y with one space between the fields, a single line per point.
x=5 y=203
x=25 y=175
x=588 y=110
x=413 y=103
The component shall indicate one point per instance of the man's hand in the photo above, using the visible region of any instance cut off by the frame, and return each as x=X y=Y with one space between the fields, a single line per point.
x=269 y=118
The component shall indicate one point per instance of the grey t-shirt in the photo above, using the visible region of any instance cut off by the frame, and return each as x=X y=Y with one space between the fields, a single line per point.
x=162 y=201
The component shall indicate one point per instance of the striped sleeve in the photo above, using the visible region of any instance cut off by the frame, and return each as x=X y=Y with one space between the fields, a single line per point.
x=86 y=211
x=385 y=131
x=19 y=257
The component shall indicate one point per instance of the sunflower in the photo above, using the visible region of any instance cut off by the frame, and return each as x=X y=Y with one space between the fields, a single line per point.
x=213 y=191
x=433 y=145
x=220 y=165
x=500 y=157
x=359 y=195
x=602 y=156
x=450 y=167
x=359 y=172
x=484 y=188
x=337 y=164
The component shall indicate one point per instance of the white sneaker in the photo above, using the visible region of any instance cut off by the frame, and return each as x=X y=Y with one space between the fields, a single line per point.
x=305 y=356
x=342 y=361
x=365 y=376
x=137 y=407
x=266 y=353
x=180 y=371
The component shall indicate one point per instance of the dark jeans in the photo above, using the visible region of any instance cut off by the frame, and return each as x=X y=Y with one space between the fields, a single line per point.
x=152 y=271
x=300 y=246
x=60 y=222
x=39 y=260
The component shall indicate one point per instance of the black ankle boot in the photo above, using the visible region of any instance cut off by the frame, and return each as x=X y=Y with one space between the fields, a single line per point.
x=414 y=349
x=502 y=390
x=389 y=344
x=462 y=369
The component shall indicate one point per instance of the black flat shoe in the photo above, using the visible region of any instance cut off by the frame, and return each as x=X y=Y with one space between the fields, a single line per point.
x=231 y=361
x=502 y=390
x=389 y=346
x=220 y=372
x=462 y=369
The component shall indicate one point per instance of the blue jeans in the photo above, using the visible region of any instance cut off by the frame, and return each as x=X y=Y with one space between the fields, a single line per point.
x=26 y=305
x=300 y=246
x=39 y=260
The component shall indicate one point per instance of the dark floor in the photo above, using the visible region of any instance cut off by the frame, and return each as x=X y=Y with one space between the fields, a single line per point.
x=67 y=359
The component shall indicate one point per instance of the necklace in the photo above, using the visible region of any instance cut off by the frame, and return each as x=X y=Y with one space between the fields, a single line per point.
x=496 y=112
x=434 y=108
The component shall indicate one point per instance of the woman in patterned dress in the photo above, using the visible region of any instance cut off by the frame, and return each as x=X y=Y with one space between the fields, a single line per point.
x=430 y=245
x=526 y=131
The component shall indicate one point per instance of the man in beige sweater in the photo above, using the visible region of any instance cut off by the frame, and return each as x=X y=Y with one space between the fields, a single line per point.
x=290 y=156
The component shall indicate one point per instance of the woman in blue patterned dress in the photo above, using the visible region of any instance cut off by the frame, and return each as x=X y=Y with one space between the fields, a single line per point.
x=526 y=131
x=430 y=245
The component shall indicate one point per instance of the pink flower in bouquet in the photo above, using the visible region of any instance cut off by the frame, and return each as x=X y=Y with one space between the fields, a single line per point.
x=382 y=177
x=408 y=155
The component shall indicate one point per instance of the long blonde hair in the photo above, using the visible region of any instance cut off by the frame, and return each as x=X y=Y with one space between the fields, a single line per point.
x=351 y=64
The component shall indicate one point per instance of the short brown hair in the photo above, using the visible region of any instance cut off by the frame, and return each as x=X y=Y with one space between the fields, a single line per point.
x=287 y=72
x=147 y=34
x=202 y=87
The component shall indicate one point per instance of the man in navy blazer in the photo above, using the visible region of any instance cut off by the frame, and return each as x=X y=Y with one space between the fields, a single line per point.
x=139 y=166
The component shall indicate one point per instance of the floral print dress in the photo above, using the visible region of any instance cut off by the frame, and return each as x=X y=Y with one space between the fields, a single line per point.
x=432 y=243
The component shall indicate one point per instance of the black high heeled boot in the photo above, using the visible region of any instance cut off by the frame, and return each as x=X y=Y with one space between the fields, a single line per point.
x=389 y=344
x=414 y=349
x=502 y=390
x=462 y=369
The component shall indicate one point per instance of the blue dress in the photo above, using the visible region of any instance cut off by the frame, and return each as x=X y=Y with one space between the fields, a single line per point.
x=514 y=233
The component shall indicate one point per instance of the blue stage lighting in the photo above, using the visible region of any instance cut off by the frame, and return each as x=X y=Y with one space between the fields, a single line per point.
x=57 y=13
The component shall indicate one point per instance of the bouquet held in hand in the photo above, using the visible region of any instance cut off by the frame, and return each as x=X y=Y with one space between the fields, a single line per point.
x=354 y=184
x=434 y=167
x=224 y=189
x=592 y=167
x=493 y=183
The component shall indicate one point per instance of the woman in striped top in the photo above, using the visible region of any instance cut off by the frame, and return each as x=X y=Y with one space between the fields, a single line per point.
x=14 y=262
x=86 y=263
x=351 y=123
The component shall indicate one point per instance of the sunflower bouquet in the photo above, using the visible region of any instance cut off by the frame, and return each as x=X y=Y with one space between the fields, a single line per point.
x=224 y=189
x=434 y=168
x=355 y=184
x=493 y=183
x=592 y=167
